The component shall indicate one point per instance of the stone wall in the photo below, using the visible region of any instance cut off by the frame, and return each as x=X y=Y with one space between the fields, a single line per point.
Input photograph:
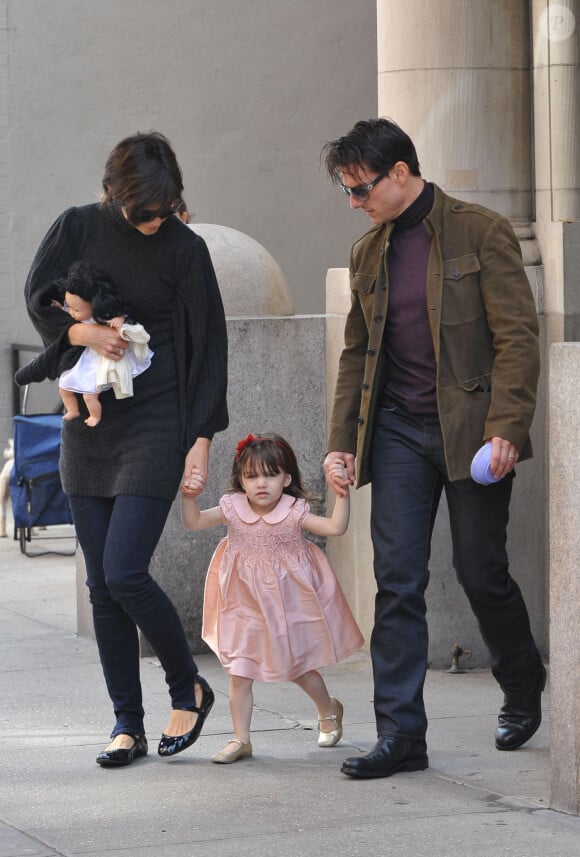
x=276 y=382
x=564 y=575
x=247 y=92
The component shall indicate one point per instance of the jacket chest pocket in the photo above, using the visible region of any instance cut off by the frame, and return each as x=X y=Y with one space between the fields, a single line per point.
x=462 y=303
x=363 y=287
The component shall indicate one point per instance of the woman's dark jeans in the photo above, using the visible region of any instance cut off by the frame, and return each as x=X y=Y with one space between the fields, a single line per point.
x=118 y=536
x=408 y=476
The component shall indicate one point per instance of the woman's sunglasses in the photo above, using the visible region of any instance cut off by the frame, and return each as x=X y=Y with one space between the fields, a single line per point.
x=145 y=215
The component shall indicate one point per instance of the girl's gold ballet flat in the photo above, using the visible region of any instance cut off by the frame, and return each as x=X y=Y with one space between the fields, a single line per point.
x=329 y=739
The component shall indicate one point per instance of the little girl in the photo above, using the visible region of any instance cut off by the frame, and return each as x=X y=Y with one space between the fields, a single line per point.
x=273 y=609
x=91 y=298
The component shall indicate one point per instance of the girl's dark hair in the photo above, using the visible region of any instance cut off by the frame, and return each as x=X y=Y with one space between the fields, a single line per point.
x=87 y=282
x=269 y=454
x=374 y=143
x=142 y=173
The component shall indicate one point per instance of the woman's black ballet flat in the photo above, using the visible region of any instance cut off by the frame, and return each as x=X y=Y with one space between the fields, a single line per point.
x=118 y=758
x=171 y=745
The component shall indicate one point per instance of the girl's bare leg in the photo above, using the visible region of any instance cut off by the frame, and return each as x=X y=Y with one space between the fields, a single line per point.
x=241 y=706
x=313 y=684
x=94 y=408
x=71 y=404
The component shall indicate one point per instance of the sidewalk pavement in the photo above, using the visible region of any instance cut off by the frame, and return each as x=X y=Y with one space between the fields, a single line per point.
x=289 y=800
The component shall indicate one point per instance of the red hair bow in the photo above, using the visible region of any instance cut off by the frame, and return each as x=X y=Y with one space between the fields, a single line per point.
x=242 y=444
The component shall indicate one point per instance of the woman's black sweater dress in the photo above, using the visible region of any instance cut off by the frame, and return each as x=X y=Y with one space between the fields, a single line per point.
x=169 y=283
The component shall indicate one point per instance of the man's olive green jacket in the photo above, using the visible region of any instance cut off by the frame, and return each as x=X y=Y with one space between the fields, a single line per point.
x=485 y=334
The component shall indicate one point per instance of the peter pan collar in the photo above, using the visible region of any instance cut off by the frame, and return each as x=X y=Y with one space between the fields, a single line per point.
x=248 y=516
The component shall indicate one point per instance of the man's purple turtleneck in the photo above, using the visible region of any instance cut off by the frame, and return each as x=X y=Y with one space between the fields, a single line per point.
x=408 y=344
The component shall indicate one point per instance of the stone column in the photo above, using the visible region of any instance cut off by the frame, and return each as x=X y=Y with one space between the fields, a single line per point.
x=556 y=77
x=556 y=38
x=564 y=576
x=351 y=555
x=456 y=76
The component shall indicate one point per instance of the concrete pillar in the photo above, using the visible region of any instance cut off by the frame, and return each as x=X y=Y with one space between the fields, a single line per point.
x=556 y=59
x=564 y=575
x=455 y=75
x=556 y=104
x=351 y=555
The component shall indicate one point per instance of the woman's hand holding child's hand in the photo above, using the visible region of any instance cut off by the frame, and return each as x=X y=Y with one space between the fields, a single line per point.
x=194 y=483
x=196 y=467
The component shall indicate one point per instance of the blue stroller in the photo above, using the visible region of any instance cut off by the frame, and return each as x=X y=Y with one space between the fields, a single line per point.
x=35 y=488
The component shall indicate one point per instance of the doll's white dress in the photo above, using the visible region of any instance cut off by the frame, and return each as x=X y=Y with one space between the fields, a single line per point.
x=93 y=373
x=273 y=608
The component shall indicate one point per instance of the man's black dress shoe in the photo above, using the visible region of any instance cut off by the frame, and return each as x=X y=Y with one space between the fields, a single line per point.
x=171 y=745
x=118 y=758
x=520 y=716
x=389 y=756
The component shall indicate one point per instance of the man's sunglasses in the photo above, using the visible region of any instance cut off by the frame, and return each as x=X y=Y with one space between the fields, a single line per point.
x=145 y=215
x=362 y=191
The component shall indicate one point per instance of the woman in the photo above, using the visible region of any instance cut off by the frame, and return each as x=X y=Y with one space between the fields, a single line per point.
x=122 y=475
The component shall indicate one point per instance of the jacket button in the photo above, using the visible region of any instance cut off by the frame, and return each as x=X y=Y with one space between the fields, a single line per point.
x=360 y=421
x=456 y=274
x=364 y=386
x=457 y=206
x=378 y=318
x=371 y=352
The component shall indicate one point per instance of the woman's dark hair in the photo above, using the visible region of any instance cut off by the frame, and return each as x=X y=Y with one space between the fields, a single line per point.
x=374 y=143
x=269 y=454
x=91 y=285
x=182 y=211
x=142 y=173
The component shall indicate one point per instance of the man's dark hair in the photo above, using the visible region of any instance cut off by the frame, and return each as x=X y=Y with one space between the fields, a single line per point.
x=374 y=143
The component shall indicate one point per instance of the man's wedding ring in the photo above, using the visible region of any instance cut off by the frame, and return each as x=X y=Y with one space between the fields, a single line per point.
x=511 y=455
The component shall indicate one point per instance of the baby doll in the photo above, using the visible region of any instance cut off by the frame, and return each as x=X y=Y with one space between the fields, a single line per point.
x=91 y=298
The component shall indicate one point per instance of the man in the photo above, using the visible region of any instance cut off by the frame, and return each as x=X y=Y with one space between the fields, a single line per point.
x=441 y=355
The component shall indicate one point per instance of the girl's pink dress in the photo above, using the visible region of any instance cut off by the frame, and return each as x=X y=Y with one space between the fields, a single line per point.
x=273 y=608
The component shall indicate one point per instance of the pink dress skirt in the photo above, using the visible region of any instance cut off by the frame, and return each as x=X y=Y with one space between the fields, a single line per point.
x=273 y=608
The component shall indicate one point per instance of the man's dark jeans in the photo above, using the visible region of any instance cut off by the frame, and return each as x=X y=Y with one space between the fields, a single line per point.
x=118 y=536
x=408 y=476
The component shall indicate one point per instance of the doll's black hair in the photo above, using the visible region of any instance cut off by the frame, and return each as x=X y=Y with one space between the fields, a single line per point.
x=92 y=285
